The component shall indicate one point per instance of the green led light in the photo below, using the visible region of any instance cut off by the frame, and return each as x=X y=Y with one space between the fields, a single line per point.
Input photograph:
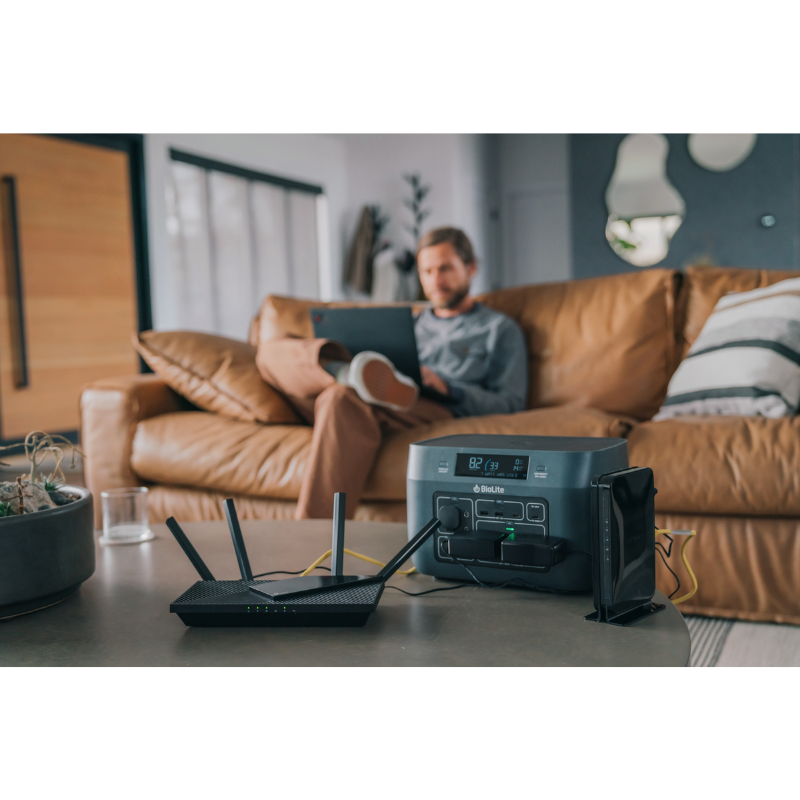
x=510 y=529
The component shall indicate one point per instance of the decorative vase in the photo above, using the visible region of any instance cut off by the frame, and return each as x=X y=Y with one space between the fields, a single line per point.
x=46 y=555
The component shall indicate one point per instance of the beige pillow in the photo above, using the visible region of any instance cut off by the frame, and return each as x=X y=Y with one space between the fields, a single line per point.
x=214 y=373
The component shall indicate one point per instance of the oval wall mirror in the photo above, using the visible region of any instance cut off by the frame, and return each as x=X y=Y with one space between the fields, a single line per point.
x=720 y=152
x=644 y=208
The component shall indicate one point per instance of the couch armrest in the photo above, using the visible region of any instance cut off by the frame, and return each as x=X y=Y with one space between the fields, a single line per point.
x=110 y=412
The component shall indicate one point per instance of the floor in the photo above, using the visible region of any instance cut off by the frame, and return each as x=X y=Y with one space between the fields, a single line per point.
x=722 y=643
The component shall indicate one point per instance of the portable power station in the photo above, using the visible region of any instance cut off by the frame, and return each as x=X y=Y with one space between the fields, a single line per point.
x=510 y=506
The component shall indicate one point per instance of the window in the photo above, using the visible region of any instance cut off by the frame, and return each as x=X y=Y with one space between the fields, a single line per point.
x=236 y=236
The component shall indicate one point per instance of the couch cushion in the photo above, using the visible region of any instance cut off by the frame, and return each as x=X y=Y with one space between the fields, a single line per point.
x=215 y=373
x=747 y=567
x=722 y=465
x=200 y=505
x=607 y=343
x=188 y=505
x=387 y=480
x=208 y=451
x=702 y=288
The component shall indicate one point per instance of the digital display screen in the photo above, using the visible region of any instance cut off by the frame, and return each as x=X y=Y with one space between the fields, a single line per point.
x=480 y=465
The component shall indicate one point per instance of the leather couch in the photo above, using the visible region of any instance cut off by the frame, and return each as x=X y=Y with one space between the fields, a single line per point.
x=601 y=353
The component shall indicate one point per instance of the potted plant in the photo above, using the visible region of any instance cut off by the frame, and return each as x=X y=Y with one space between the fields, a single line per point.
x=46 y=531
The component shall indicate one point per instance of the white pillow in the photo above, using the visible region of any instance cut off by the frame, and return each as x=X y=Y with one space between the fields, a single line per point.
x=746 y=360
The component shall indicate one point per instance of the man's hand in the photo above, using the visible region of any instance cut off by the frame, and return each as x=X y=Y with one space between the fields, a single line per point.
x=433 y=381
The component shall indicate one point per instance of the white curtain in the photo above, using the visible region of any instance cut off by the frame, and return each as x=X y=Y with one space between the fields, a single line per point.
x=303 y=243
x=234 y=241
x=270 y=242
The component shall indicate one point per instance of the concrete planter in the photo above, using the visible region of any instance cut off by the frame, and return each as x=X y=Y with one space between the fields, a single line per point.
x=45 y=556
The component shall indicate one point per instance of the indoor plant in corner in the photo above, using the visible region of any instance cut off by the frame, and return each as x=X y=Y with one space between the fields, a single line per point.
x=46 y=531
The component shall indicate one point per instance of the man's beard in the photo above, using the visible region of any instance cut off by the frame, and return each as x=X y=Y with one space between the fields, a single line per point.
x=454 y=300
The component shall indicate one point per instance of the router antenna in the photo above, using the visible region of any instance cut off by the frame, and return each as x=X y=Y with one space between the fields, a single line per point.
x=337 y=546
x=238 y=541
x=427 y=529
x=194 y=556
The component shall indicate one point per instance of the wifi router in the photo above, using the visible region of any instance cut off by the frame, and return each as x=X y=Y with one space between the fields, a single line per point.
x=307 y=601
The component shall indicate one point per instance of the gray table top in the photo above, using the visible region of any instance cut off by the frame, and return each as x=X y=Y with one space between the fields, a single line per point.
x=120 y=616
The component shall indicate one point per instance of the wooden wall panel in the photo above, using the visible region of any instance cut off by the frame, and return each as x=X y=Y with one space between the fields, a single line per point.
x=75 y=225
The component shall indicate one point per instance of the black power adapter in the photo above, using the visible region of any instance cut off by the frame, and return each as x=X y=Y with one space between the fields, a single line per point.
x=515 y=549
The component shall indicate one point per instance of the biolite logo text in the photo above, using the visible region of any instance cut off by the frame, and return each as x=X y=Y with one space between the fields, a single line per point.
x=488 y=489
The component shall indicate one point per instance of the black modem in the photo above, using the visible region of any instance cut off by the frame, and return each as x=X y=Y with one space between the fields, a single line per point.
x=308 y=601
x=623 y=546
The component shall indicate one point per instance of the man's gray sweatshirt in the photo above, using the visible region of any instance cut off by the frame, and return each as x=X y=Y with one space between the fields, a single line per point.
x=482 y=357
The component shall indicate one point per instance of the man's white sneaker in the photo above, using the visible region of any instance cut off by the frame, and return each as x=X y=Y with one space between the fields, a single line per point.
x=377 y=382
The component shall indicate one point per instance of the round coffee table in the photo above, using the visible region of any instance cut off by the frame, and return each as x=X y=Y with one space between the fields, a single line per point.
x=121 y=615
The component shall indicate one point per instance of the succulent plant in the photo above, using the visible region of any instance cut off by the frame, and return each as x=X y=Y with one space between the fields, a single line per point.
x=37 y=446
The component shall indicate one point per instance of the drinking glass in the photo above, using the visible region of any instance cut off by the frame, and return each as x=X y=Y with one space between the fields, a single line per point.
x=125 y=519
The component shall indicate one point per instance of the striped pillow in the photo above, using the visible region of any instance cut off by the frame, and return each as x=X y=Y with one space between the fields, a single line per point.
x=746 y=360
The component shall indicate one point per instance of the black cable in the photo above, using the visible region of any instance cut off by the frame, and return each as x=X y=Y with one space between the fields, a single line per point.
x=518 y=581
x=467 y=585
x=286 y=572
x=479 y=581
x=430 y=591
x=670 y=569
x=527 y=585
x=669 y=539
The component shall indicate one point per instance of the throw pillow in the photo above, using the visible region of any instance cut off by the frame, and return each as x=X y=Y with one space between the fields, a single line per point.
x=214 y=373
x=746 y=359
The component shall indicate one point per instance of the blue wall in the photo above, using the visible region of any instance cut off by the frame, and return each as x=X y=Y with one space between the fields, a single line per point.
x=723 y=209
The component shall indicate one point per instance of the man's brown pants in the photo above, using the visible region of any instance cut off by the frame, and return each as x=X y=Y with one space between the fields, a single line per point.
x=347 y=431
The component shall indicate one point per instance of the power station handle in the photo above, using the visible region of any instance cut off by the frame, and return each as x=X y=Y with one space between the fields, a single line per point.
x=13 y=255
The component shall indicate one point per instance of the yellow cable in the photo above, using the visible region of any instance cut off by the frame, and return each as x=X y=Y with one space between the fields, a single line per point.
x=688 y=535
x=355 y=555
x=659 y=531
x=316 y=563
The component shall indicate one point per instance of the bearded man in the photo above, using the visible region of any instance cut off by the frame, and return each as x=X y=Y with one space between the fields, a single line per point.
x=472 y=355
